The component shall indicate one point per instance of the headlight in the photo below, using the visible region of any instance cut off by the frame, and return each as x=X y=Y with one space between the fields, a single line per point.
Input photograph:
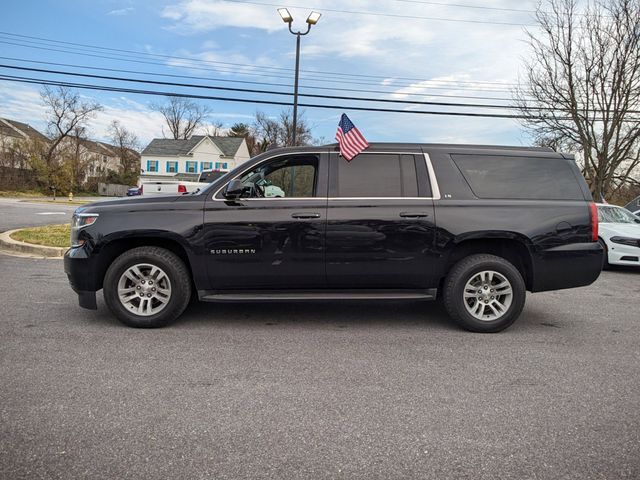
x=78 y=222
x=632 y=242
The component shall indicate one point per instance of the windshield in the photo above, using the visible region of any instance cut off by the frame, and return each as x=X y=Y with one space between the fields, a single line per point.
x=212 y=176
x=212 y=182
x=615 y=215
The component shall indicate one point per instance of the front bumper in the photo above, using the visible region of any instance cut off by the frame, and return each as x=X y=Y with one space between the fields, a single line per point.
x=80 y=271
x=567 y=266
x=620 y=254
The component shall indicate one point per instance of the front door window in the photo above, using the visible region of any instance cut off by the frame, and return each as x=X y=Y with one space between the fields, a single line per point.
x=289 y=177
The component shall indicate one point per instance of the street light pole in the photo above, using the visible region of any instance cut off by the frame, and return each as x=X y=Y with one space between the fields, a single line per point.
x=288 y=19
x=295 y=89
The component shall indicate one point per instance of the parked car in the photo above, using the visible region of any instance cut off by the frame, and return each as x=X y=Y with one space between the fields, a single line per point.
x=476 y=226
x=208 y=176
x=134 y=191
x=634 y=206
x=619 y=235
x=180 y=187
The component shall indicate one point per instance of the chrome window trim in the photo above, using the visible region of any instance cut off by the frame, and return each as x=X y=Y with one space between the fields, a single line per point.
x=435 y=189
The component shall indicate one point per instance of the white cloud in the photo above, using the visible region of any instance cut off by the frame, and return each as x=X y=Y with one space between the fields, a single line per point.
x=382 y=45
x=23 y=103
x=121 y=11
x=193 y=16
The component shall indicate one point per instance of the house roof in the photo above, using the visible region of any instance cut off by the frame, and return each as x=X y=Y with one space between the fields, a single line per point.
x=171 y=147
x=13 y=128
x=101 y=148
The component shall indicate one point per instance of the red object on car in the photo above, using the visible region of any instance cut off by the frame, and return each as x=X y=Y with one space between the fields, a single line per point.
x=593 y=210
x=182 y=189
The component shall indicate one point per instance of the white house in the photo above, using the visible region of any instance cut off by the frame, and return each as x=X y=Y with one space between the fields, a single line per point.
x=169 y=157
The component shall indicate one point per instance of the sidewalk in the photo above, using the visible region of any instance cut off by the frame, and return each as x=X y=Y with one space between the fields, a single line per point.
x=16 y=247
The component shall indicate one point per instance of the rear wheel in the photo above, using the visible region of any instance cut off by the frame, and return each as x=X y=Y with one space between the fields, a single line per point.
x=147 y=287
x=484 y=293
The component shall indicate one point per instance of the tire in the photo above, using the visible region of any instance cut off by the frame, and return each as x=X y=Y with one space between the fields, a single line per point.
x=466 y=298
x=605 y=258
x=155 y=284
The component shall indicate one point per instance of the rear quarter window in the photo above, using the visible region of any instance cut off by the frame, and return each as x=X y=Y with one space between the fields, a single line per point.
x=523 y=178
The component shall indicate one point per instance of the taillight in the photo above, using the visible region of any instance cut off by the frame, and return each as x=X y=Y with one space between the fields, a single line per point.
x=182 y=189
x=593 y=210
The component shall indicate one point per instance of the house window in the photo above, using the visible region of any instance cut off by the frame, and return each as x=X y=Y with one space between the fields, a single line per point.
x=172 y=167
x=152 y=165
x=222 y=165
x=192 y=167
x=205 y=166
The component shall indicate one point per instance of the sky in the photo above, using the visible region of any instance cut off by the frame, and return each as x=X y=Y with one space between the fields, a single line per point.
x=460 y=51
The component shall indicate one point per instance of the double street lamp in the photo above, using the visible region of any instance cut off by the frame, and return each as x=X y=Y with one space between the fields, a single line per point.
x=312 y=19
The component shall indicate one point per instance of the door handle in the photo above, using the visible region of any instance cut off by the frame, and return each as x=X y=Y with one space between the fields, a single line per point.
x=305 y=215
x=413 y=214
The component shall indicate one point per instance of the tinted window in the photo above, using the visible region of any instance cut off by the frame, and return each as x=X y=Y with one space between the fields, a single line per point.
x=519 y=177
x=293 y=176
x=377 y=175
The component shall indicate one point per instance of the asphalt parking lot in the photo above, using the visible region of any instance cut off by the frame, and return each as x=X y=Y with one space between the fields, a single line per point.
x=317 y=390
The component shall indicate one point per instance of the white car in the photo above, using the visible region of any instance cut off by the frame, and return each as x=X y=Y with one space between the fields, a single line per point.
x=619 y=232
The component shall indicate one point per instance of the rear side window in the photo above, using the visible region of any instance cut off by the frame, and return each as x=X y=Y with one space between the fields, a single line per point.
x=377 y=175
x=525 y=178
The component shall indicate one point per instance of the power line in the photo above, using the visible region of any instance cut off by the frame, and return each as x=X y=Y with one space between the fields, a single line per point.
x=319 y=76
x=267 y=92
x=272 y=92
x=244 y=65
x=246 y=100
x=458 y=5
x=209 y=79
x=381 y=14
x=12 y=78
x=482 y=7
x=262 y=75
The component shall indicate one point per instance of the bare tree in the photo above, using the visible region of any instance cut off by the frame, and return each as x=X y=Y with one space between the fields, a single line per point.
x=127 y=145
x=66 y=113
x=183 y=116
x=214 y=129
x=278 y=131
x=74 y=157
x=581 y=88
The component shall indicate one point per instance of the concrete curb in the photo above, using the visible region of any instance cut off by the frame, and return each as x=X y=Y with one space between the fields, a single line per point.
x=8 y=243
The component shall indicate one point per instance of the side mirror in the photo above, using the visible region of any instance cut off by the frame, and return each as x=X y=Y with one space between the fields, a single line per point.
x=234 y=189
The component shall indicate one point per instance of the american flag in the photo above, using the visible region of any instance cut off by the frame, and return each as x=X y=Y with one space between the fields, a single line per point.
x=349 y=138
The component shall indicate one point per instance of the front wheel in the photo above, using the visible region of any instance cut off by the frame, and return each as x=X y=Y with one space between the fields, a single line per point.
x=484 y=293
x=147 y=287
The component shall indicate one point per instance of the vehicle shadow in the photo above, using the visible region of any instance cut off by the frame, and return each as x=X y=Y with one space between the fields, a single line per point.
x=623 y=269
x=335 y=315
x=341 y=314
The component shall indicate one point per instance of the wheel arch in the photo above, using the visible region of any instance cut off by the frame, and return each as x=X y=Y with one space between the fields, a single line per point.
x=112 y=249
x=511 y=246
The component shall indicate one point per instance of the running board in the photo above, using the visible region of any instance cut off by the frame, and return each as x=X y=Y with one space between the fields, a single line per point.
x=293 y=296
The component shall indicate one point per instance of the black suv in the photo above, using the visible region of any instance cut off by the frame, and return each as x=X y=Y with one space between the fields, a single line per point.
x=476 y=226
